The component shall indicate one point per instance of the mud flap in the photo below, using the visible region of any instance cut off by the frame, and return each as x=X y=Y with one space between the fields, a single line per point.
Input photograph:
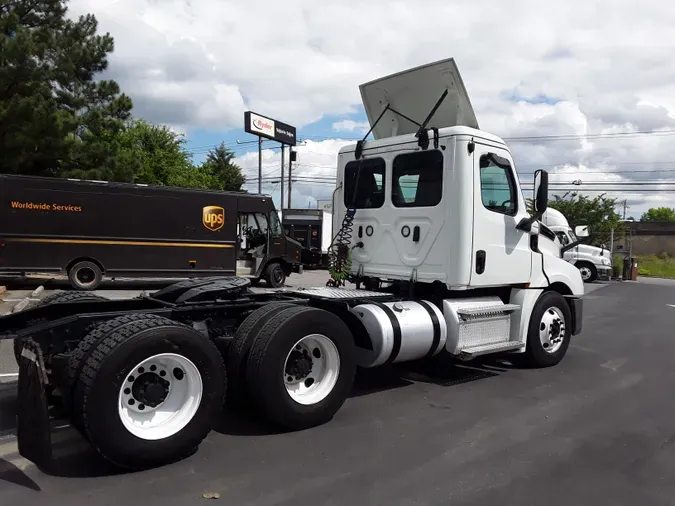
x=33 y=425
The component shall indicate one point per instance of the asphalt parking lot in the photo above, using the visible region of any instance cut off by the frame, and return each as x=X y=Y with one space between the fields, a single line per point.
x=597 y=429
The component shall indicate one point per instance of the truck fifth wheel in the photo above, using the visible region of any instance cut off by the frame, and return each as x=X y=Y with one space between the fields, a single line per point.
x=429 y=217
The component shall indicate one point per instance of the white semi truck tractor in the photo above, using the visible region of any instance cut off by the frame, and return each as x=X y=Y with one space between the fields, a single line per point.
x=433 y=230
x=593 y=262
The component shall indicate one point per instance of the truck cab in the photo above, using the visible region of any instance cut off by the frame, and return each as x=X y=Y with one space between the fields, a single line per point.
x=593 y=262
x=432 y=207
x=450 y=211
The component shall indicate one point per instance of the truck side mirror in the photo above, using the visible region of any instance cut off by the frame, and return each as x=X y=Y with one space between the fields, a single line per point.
x=581 y=231
x=540 y=192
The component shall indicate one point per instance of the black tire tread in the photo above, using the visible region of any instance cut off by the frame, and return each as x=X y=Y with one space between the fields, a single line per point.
x=259 y=350
x=529 y=358
x=100 y=332
x=268 y=274
x=59 y=298
x=68 y=296
x=236 y=356
x=121 y=331
x=72 y=278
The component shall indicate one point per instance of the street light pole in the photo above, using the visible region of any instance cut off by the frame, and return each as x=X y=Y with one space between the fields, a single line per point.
x=281 y=205
x=260 y=141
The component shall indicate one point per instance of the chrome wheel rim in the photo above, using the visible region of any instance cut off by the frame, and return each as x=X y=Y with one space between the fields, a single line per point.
x=552 y=330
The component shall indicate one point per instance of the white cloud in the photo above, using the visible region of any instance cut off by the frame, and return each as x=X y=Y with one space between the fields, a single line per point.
x=313 y=172
x=201 y=63
x=349 y=125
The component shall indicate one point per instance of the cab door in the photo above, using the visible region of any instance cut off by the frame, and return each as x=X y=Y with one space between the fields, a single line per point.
x=501 y=252
x=277 y=243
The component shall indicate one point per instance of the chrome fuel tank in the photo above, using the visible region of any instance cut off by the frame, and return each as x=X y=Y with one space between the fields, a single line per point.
x=400 y=331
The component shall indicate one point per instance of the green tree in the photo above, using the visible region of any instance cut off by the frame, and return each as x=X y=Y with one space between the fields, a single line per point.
x=155 y=153
x=597 y=212
x=55 y=119
x=659 y=214
x=227 y=175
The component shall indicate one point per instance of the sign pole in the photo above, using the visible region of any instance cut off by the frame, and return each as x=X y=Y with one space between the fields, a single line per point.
x=260 y=141
x=282 y=176
x=290 y=174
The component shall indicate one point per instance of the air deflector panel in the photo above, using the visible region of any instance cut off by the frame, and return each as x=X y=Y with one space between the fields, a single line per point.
x=414 y=93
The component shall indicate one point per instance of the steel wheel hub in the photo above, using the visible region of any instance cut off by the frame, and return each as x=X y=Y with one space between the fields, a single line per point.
x=160 y=396
x=552 y=330
x=311 y=369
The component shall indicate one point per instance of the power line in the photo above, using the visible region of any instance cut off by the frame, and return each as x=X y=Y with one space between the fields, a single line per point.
x=548 y=138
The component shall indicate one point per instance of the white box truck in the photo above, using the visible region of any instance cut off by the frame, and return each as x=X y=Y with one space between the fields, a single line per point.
x=593 y=263
x=432 y=206
x=313 y=229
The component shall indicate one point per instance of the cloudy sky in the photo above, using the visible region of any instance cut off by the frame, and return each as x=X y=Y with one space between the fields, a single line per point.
x=589 y=80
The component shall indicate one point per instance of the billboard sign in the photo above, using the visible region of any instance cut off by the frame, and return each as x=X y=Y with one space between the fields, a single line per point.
x=271 y=129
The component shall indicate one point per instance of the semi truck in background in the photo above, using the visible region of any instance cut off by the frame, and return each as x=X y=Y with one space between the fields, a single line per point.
x=593 y=263
x=430 y=219
x=91 y=229
x=313 y=229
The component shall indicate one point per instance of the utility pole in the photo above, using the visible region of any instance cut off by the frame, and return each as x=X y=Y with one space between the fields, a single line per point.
x=260 y=141
x=282 y=176
x=291 y=158
x=625 y=203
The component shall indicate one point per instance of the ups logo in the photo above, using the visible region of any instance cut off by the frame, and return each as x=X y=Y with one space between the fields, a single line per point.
x=213 y=217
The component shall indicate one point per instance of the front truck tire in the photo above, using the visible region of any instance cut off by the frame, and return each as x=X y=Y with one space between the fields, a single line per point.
x=149 y=392
x=549 y=331
x=85 y=275
x=301 y=367
x=588 y=271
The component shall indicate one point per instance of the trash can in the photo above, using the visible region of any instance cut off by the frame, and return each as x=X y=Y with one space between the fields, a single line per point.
x=633 y=269
x=626 y=268
x=630 y=269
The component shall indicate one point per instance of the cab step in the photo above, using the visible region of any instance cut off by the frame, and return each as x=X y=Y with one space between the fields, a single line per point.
x=484 y=349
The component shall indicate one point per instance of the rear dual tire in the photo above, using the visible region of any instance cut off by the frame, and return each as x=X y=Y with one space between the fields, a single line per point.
x=299 y=378
x=119 y=389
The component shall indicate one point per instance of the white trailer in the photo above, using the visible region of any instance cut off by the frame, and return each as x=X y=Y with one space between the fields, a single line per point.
x=593 y=262
x=432 y=206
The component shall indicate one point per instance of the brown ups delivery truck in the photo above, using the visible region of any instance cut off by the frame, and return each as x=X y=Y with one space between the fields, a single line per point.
x=88 y=229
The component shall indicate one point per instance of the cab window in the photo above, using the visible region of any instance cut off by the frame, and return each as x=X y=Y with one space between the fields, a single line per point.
x=275 y=225
x=417 y=179
x=497 y=187
x=562 y=237
x=371 y=183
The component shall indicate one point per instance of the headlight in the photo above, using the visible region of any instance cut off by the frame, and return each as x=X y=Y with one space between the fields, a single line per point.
x=605 y=261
